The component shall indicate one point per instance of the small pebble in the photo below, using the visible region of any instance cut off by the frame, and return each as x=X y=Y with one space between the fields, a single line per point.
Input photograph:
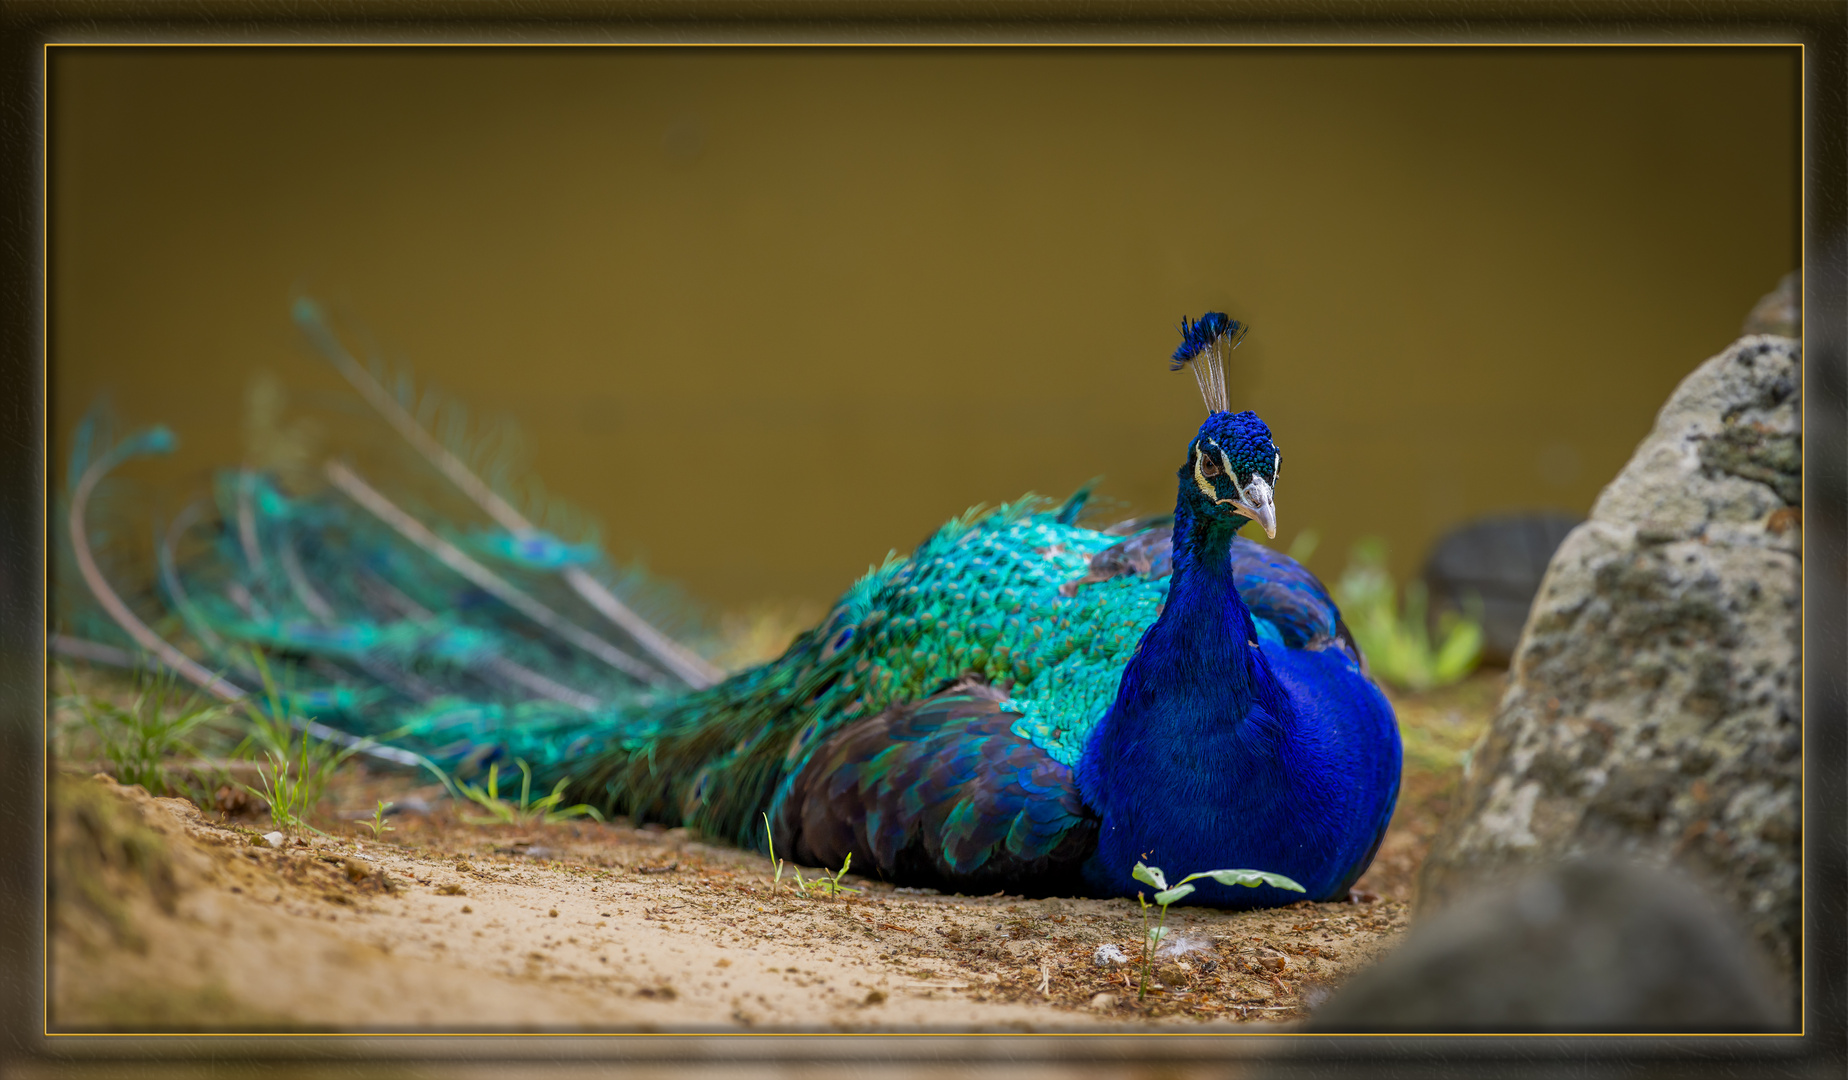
x=1108 y=954
x=1103 y=1001
x=274 y=839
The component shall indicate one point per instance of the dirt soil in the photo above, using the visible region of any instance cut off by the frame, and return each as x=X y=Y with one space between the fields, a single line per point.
x=167 y=918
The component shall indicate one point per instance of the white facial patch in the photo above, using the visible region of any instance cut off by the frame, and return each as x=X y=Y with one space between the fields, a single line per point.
x=1205 y=485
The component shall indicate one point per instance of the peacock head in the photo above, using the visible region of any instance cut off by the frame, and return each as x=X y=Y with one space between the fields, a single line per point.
x=1231 y=469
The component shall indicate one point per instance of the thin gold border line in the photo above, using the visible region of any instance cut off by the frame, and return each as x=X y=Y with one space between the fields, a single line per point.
x=1766 y=44
x=1803 y=230
x=1802 y=541
x=45 y=516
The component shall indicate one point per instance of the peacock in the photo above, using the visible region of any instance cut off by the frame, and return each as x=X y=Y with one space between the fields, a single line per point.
x=1024 y=703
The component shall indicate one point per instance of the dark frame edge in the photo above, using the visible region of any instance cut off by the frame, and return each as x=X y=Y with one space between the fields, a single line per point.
x=1822 y=27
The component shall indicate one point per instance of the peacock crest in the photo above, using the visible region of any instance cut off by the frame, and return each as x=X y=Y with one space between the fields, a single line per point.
x=1206 y=345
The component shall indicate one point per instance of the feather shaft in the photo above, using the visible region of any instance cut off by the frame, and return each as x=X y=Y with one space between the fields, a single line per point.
x=456 y=559
x=98 y=653
x=680 y=661
x=99 y=587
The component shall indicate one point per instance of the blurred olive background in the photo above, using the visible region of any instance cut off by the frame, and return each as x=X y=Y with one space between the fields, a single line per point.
x=769 y=312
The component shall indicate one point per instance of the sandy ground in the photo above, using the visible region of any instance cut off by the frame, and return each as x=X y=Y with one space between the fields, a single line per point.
x=166 y=918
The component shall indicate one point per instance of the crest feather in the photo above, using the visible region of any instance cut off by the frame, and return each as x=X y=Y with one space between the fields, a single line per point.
x=1205 y=344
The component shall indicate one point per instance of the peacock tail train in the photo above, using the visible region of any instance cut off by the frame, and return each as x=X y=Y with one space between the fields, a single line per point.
x=953 y=691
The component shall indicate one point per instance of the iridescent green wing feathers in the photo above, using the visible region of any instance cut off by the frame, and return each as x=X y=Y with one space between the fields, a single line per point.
x=981 y=598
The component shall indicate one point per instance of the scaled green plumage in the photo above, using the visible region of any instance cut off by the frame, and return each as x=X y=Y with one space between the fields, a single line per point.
x=980 y=598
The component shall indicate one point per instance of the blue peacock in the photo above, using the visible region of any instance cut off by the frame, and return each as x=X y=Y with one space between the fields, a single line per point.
x=1023 y=704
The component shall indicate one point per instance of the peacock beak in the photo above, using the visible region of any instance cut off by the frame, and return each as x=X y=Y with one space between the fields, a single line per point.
x=1256 y=502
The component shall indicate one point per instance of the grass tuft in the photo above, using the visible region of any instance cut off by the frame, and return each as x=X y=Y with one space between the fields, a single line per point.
x=528 y=811
x=1395 y=639
x=294 y=766
x=828 y=883
x=141 y=740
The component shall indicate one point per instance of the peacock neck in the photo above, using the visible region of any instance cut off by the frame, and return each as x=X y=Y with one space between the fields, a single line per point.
x=1199 y=741
x=1199 y=663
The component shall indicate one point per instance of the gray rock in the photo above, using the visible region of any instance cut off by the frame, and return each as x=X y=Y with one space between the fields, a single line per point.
x=1779 y=311
x=1589 y=946
x=1496 y=563
x=1653 y=704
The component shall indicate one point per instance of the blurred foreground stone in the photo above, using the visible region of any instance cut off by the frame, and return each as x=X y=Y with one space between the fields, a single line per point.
x=1589 y=946
x=1653 y=706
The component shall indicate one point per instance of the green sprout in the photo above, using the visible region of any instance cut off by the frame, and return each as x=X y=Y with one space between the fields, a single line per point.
x=377 y=824
x=1152 y=875
x=833 y=881
x=776 y=885
x=528 y=811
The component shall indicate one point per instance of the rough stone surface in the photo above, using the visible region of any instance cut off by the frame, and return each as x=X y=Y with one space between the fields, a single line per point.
x=1653 y=706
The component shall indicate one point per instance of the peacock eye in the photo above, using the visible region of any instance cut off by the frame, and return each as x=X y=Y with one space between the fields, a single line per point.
x=1208 y=467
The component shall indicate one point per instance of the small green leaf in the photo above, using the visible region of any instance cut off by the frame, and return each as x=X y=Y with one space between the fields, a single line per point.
x=1251 y=879
x=1156 y=933
x=1170 y=896
x=1149 y=875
